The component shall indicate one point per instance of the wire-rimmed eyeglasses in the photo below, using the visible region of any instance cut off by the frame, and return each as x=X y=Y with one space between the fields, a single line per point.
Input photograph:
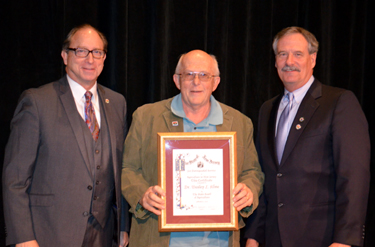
x=190 y=76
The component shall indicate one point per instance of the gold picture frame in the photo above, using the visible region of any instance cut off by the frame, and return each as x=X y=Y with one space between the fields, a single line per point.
x=198 y=171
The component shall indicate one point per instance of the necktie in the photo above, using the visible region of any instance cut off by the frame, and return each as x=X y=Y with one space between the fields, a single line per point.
x=90 y=116
x=282 y=127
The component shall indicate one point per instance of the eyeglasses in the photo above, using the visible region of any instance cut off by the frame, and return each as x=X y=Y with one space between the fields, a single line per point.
x=82 y=52
x=190 y=76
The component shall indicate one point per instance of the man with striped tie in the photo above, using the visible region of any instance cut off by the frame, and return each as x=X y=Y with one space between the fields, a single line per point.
x=61 y=179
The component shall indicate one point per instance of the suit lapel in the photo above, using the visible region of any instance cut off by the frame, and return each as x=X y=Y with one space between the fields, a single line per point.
x=304 y=114
x=107 y=110
x=173 y=122
x=227 y=121
x=69 y=105
x=272 y=128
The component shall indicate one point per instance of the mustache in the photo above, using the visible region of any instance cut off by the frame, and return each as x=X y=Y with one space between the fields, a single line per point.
x=290 y=68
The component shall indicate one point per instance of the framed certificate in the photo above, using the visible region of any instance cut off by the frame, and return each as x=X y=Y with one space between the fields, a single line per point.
x=198 y=171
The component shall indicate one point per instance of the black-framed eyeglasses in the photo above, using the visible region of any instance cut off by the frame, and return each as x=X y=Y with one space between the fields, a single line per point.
x=190 y=76
x=82 y=52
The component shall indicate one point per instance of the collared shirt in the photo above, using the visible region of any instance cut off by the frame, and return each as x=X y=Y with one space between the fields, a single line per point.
x=201 y=239
x=215 y=117
x=299 y=94
x=79 y=98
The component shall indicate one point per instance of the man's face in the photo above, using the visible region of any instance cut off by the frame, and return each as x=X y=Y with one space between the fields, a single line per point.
x=196 y=94
x=84 y=71
x=294 y=64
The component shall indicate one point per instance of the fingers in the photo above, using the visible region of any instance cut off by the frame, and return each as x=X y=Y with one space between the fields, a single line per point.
x=243 y=197
x=152 y=199
x=124 y=239
x=251 y=243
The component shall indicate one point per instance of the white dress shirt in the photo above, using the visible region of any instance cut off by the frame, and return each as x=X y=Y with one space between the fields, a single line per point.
x=79 y=97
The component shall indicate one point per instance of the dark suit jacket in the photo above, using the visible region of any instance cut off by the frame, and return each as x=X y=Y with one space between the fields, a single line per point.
x=46 y=169
x=318 y=193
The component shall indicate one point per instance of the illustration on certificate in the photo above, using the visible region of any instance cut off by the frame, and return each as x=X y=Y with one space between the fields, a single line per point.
x=198 y=182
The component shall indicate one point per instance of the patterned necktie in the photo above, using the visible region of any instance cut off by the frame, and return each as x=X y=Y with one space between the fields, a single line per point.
x=282 y=127
x=90 y=116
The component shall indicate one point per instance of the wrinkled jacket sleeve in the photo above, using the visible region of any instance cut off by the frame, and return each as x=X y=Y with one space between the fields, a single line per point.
x=250 y=173
x=133 y=183
x=20 y=155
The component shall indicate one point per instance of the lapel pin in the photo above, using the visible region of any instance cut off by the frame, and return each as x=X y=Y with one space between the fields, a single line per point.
x=302 y=119
x=175 y=123
x=298 y=126
x=107 y=101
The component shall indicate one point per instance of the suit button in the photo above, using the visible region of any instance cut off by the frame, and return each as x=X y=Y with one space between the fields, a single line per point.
x=95 y=197
x=98 y=167
x=85 y=213
x=279 y=175
x=280 y=204
x=96 y=151
x=97 y=182
x=89 y=187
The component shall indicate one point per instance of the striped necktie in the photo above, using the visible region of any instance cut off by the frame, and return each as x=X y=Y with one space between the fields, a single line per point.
x=90 y=118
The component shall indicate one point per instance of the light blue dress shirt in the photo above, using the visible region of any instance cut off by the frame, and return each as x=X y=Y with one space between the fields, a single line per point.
x=299 y=94
x=201 y=239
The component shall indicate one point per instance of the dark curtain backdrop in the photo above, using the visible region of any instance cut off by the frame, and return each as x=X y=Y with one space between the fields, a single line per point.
x=146 y=38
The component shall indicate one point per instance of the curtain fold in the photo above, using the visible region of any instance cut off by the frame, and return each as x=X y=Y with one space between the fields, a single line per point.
x=146 y=38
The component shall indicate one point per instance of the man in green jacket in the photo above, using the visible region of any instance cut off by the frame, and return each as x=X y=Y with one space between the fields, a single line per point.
x=193 y=110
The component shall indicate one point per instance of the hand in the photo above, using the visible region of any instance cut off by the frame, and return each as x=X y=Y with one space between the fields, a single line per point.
x=243 y=196
x=152 y=199
x=32 y=243
x=124 y=239
x=338 y=245
x=251 y=243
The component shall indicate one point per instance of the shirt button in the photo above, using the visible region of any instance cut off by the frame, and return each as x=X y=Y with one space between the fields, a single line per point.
x=89 y=187
x=279 y=175
x=96 y=151
x=85 y=213
x=280 y=204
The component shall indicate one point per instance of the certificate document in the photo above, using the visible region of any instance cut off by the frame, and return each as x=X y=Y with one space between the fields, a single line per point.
x=198 y=182
x=198 y=172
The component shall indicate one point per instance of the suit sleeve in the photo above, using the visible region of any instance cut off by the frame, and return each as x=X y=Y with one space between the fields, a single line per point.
x=351 y=154
x=251 y=173
x=20 y=155
x=255 y=224
x=125 y=217
x=133 y=183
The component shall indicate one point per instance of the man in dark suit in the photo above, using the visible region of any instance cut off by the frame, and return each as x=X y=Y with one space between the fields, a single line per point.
x=61 y=178
x=314 y=148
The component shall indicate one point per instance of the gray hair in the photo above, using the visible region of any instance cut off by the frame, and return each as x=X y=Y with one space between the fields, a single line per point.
x=313 y=44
